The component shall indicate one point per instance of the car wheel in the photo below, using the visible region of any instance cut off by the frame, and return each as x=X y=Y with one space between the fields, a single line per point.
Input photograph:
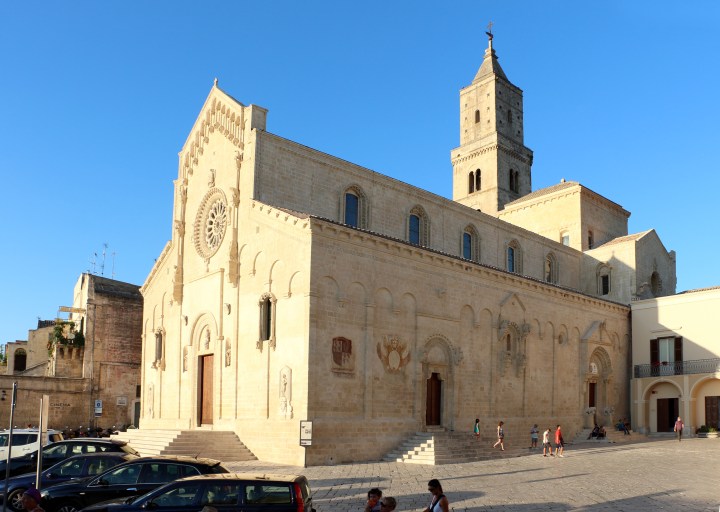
x=15 y=499
x=67 y=507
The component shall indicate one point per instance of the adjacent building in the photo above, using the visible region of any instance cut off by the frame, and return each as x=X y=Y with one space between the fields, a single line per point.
x=676 y=358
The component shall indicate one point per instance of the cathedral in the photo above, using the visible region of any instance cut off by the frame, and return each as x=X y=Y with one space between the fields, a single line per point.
x=298 y=286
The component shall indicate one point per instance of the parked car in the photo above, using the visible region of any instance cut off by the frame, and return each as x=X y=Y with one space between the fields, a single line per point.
x=129 y=479
x=61 y=450
x=225 y=493
x=24 y=441
x=78 y=466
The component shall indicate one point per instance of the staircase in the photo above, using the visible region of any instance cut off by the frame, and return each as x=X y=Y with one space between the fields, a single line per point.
x=435 y=448
x=221 y=445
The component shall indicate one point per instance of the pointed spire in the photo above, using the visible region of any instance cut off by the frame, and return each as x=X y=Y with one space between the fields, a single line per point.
x=490 y=64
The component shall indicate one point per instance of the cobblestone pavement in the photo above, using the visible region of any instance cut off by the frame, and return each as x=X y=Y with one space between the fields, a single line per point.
x=637 y=477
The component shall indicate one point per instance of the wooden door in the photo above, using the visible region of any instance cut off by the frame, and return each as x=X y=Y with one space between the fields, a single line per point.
x=712 y=416
x=667 y=413
x=433 y=406
x=206 y=390
x=591 y=394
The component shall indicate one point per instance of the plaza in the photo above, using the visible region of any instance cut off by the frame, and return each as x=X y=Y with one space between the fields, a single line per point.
x=652 y=475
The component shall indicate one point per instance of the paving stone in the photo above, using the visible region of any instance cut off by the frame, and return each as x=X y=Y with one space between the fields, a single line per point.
x=641 y=477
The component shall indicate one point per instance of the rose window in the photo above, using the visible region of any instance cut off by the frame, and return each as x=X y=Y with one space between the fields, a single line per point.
x=211 y=223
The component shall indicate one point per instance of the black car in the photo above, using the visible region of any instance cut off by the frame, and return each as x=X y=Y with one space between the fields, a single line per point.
x=61 y=450
x=225 y=493
x=79 y=466
x=130 y=479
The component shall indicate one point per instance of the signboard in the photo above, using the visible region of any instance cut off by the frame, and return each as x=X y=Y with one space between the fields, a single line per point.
x=98 y=408
x=305 y=433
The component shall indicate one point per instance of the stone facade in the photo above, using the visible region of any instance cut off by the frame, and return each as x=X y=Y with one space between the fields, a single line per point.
x=676 y=358
x=299 y=286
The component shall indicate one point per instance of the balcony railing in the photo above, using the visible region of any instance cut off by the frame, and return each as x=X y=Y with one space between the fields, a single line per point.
x=677 y=368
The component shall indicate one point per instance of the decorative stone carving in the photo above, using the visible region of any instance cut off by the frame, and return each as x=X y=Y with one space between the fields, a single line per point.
x=206 y=339
x=393 y=353
x=186 y=351
x=211 y=178
x=210 y=223
x=342 y=356
x=285 y=393
x=228 y=352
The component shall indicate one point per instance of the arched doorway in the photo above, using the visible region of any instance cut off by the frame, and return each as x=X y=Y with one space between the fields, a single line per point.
x=438 y=376
x=205 y=344
x=20 y=360
x=597 y=383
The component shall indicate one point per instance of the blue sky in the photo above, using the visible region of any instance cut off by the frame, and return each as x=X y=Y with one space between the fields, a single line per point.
x=98 y=97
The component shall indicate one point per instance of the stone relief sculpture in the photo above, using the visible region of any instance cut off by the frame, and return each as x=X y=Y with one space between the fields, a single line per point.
x=228 y=352
x=285 y=393
x=342 y=356
x=393 y=353
x=185 y=359
x=206 y=337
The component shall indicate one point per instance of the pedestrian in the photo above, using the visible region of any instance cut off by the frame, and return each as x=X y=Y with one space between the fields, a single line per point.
x=500 y=436
x=559 y=442
x=476 y=429
x=388 y=504
x=679 y=426
x=31 y=500
x=373 y=501
x=547 y=446
x=439 y=502
x=533 y=436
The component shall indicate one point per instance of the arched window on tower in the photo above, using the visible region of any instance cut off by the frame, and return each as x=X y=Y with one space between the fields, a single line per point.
x=514 y=181
x=655 y=284
x=471 y=183
x=478 y=180
x=477 y=116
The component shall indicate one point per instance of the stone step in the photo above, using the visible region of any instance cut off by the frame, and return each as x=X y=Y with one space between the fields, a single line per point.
x=221 y=445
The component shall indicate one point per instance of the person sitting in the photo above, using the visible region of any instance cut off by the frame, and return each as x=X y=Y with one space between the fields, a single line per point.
x=595 y=431
x=602 y=433
x=373 y=501
x=388 y=504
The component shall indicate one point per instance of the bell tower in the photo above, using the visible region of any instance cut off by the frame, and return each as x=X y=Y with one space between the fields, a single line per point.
x=492 y=165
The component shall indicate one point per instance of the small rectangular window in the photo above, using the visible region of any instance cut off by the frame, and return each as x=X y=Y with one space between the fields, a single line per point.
x=414 y=230
x=604 y=285
x=566 y=239
x=467 y=246
x=351 y=209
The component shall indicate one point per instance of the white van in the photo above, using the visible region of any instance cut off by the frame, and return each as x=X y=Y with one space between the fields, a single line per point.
x=25 y=441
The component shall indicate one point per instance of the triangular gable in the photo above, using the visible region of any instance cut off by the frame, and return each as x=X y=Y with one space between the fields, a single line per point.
x=220 y=112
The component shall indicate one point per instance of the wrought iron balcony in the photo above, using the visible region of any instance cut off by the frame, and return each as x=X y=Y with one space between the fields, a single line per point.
x=677 y=368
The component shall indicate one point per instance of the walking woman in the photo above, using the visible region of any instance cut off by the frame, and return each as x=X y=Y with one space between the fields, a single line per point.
x=500 y=436
x=439 y=502
x=476 y=429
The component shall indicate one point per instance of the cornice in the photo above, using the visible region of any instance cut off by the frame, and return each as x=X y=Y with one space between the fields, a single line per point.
x=526 y=159
x=158 y=263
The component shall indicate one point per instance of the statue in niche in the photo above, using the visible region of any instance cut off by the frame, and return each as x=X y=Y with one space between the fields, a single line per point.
x=285 y=393
x=227 y=353
x=185 y=358
x=593 y=368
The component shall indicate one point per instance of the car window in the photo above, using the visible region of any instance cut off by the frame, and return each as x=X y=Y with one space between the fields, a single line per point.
x=76 y=449
x=186 y=495
x=72 y=467
x=225 y=493
x=22 y=439
x=97 y=465
x=160 y=472
x=268 y=493
x=4 y=439
x=57 y=450
x=54 y=438
x=121 y=476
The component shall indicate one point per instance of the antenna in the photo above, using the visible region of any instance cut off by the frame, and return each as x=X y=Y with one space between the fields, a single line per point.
x=93 y=259
x=102 y=265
